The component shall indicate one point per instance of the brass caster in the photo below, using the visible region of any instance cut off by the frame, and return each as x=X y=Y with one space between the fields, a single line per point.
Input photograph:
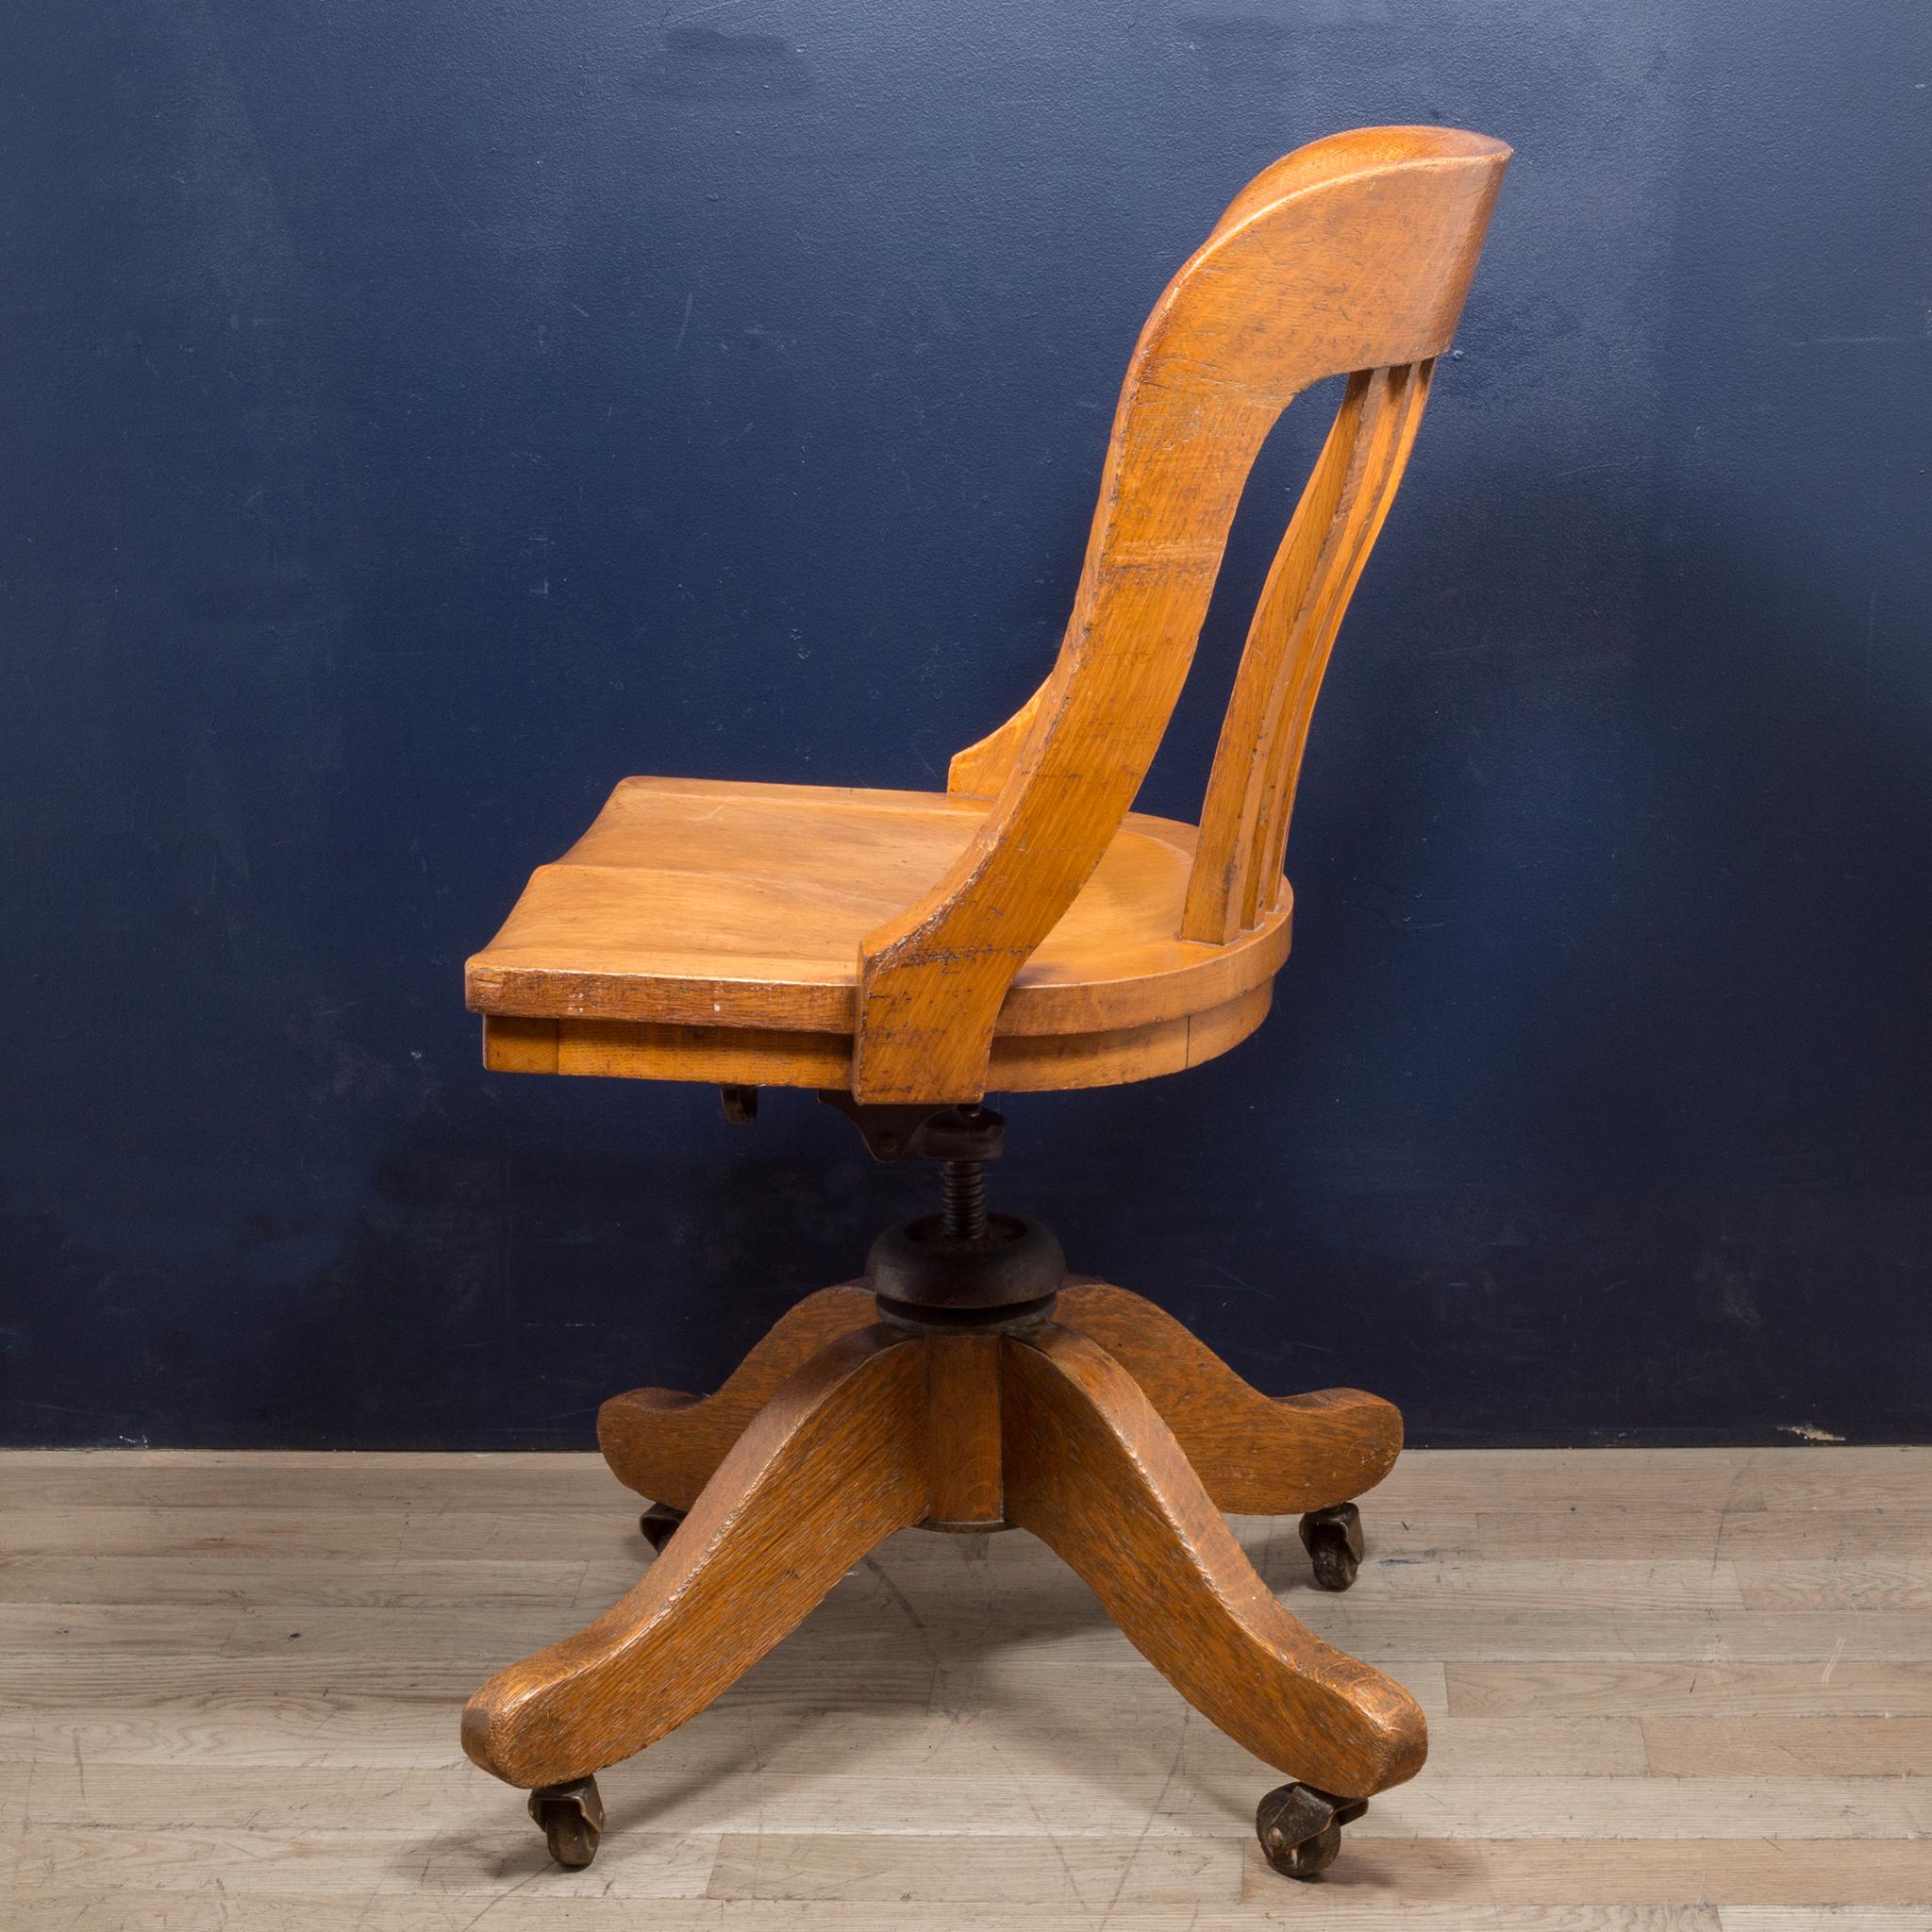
x=656 y=1524
x=571 y=1816
x=1333 y=1538
x=1300 y=1828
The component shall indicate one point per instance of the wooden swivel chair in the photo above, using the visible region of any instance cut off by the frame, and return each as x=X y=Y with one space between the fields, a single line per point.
x=907 y=951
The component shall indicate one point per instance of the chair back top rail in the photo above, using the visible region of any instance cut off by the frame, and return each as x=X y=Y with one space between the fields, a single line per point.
x=1350 y=257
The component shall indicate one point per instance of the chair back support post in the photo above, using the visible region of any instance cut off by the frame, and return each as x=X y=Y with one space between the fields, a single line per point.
x=1350 y=257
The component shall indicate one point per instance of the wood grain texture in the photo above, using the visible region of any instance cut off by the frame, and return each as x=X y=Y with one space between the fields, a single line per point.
x=835 y=1463
x=1765 y=1745
x=1353 y=253
x=1255 y=1454
x=188 y=1741
x=1237 y=879
x=1093 y=1472
x=762 y=1056
x=667 y=1445
x=879 y=1429
x=1801 y=1488
x=711 y=904
x=966 y=1448
x=1026 y=931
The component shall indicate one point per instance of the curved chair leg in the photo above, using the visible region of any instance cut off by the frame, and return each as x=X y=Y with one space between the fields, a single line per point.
x=1256 y=1455
x=834 y=1465
x=1093 y=1472
x=667 y=1445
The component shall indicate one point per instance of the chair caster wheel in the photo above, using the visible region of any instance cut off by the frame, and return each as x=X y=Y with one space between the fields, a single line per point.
x=1333 y=1538
x=1300 y=1828
x=656 y=1524
x=571 y=1816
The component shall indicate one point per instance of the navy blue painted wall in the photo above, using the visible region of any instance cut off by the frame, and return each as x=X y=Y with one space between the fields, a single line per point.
x=419 y=417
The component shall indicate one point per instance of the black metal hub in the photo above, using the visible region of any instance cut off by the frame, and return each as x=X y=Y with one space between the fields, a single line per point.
x=962 y=1268
x=928 y=1274
x=921 y=1131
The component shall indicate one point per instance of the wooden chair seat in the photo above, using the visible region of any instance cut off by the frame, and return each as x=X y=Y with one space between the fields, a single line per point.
x=708 y=924
x=1025 y=929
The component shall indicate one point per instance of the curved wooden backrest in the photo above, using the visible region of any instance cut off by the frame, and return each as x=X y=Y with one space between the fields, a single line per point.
x=1349 y=256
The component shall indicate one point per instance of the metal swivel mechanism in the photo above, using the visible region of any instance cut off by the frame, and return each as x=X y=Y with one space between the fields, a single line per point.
x=962 y=1268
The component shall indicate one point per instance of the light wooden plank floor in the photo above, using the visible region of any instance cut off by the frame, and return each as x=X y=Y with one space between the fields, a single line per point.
x=1687 y=1690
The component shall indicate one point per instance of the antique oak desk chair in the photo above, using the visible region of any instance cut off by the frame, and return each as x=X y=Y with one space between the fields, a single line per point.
x=907 y=951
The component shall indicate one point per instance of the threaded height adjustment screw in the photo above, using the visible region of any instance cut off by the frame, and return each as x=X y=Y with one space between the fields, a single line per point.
x=963 y=1183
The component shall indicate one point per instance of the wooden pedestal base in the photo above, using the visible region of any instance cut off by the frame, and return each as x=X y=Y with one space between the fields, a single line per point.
x=1111 y=1433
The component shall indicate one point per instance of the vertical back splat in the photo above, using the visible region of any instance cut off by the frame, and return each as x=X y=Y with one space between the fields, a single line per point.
x=1251 y=789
